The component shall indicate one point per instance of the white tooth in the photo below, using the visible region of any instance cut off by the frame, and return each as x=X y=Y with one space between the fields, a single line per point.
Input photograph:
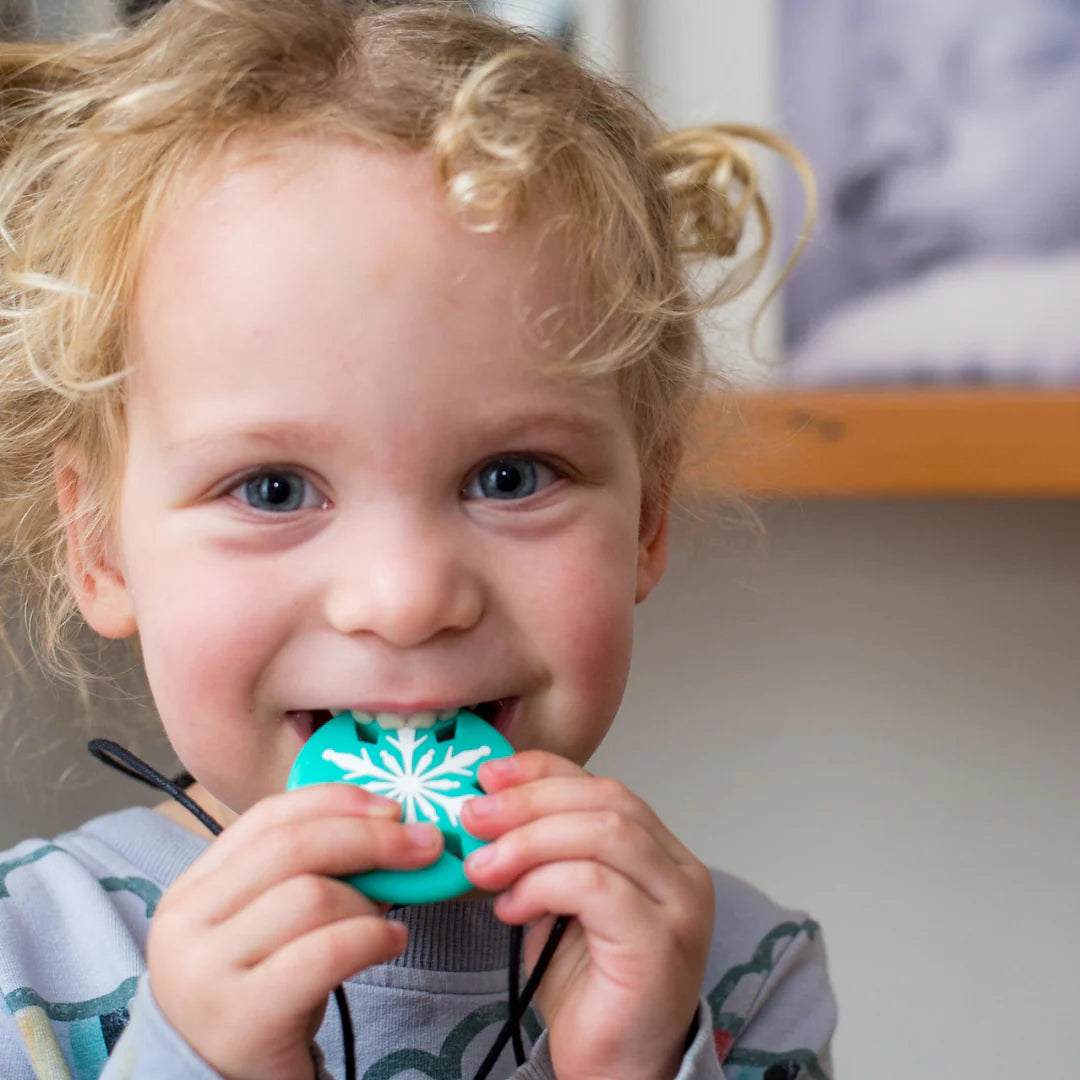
x=445 y=714
x=389 y=720
x=362 y=717
x=421 y=720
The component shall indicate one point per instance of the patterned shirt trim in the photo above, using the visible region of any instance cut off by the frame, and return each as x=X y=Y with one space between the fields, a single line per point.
x=67 y=1011
x=24 y=860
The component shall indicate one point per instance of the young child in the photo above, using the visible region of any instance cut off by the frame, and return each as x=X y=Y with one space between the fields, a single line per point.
x=347 y=352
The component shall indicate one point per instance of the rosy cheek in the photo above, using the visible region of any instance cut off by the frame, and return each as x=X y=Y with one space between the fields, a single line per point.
x=588 y=614
x=600 y=652
x=200 y=637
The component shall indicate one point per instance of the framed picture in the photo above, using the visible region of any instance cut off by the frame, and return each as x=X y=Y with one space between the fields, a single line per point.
x=945 y=140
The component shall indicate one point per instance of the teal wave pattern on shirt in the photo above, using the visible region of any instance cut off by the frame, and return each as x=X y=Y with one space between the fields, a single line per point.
x=447 y=1064
x=23 y=860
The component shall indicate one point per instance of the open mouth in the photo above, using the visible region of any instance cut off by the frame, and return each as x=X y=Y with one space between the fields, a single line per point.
x=496 y=712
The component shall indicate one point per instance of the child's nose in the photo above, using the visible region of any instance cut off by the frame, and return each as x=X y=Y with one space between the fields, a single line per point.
x=405 y=584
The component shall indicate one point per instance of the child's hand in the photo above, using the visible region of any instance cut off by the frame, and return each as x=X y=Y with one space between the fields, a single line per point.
x=623 y=987
x=247 y=945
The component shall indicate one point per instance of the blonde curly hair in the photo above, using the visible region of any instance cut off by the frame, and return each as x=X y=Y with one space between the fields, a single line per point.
x=95 y=134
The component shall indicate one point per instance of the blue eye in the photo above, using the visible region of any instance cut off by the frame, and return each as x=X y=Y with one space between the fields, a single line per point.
x=510 y=478
x=278 y=492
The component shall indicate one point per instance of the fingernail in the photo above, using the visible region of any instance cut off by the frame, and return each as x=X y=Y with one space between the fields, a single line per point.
x=484 y=806
x=422 y=837
x=501 y=766
x=381 y=807
x=482 y=857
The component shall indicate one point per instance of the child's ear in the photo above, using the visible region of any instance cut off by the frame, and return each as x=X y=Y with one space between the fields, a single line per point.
x=97 y=581
x=654 y=529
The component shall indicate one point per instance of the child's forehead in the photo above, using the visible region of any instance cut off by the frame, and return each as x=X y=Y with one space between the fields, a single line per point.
x=272 y=184
x=331 y=210
x=329 y=245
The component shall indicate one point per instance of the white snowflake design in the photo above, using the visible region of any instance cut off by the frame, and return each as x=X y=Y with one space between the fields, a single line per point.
x=416 y=785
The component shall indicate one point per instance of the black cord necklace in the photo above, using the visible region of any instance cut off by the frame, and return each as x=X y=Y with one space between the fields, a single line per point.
x=118 y=757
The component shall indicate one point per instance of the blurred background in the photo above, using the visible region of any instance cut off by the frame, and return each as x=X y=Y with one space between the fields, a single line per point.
x=943 y=136
x=867 y=708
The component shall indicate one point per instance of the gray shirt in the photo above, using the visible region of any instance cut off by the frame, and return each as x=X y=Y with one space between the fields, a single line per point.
x=74 y=916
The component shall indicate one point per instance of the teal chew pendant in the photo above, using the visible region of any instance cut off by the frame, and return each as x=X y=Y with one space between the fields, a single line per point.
x=430 y=771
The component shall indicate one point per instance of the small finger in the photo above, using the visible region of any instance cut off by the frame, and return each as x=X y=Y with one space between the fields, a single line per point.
x=314 y=802
x=524 y=767
x=612 y=911
x=604 y=836
x=330 y=846
x=306 y=970
x=491 y=816
x=288 y=911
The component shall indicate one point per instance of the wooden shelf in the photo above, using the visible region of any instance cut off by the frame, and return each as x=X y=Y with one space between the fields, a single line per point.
x=893 y=443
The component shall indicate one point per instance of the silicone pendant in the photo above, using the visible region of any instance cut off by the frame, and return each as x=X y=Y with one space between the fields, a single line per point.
x=430 y=771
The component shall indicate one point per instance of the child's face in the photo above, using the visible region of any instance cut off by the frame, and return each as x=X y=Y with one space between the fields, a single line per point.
x=350 y=485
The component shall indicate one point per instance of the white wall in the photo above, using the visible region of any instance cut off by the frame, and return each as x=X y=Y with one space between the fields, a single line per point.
x=874 y=717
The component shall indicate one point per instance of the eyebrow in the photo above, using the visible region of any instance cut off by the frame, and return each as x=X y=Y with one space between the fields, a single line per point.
x=285 y=431
x=582 y=424
x=522 y=425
